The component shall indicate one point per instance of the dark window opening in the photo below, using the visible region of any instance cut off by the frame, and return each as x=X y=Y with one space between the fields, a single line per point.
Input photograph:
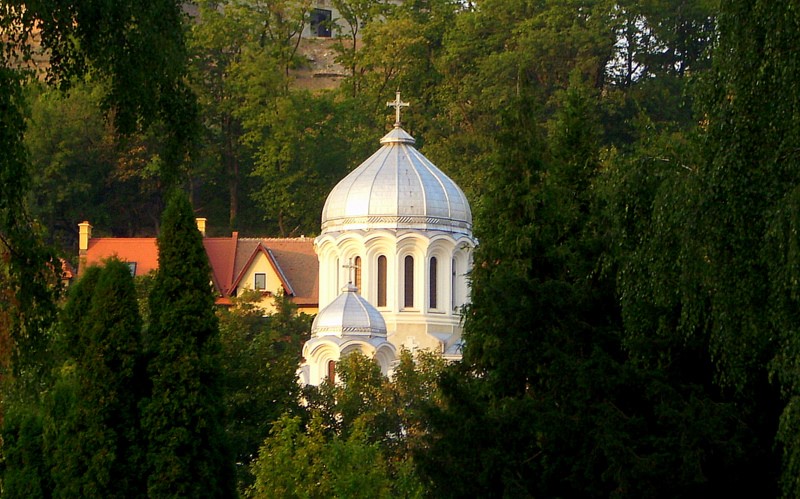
x=453 y=285
x=408 y=297
x=381 y=281
x=432 y=285
x=332 y=370
x=357 y=264
x=321 y=22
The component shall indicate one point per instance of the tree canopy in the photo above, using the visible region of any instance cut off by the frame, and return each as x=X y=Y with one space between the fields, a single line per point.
x=631 y=167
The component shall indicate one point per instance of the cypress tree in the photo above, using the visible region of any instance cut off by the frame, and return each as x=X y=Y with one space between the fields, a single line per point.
x=183 y=419
x=98 y=444
x=64 y=433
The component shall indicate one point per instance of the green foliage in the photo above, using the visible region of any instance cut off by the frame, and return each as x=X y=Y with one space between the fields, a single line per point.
x=115 y=42
x=29 y=271
x=297 y=159
x=359 y=436
x=752 y=172
x=97 y=446
x=24 y=463
x=633 y=324
x=297 y=463
x=260 y=356
x=559 y=399
x=72 y=161
x=183 y=416
x=83 y=170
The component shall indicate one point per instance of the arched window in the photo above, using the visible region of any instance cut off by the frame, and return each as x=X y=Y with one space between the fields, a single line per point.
x=408 y=282
x=357 y=272
x=432 y=290
x=453 y=285
x=332 y=370
x=381 y=281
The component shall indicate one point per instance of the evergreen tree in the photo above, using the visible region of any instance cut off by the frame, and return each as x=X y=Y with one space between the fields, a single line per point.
x=25 y=473
x=551 y=399
x=534 y=353
x=68 y=463
x=95 y=439
x=182 y=420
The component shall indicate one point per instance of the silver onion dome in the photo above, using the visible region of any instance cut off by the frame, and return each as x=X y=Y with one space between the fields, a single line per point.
x=349 y=315
x=397 y=188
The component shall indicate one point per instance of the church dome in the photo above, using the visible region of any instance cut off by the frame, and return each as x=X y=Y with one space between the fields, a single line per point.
x=349 y=315
x=397 y=188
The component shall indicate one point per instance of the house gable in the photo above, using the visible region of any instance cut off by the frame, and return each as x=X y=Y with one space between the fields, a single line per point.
x=262 y=273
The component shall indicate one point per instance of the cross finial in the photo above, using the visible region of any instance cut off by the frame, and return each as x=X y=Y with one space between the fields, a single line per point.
x=350 y=267
x=397 y=104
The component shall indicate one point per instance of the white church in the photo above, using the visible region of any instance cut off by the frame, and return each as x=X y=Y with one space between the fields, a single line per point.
x=388 y=270
x=394 y=250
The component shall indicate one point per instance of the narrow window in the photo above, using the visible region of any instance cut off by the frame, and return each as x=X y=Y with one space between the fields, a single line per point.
x=453 y=285
x=261 y=281
x=408 y=300
x=332 y=370
x=381 y=281
x=357 y=272
x=432 y=284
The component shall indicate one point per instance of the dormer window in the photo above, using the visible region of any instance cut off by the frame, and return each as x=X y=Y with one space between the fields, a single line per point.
x=260 y=282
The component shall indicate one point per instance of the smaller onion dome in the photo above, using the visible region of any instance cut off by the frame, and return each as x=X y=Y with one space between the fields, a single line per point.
x=349 y=315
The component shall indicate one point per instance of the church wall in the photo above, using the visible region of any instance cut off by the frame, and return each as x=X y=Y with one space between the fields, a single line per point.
x=453 y=256
x=320 y=351
x=420 y=326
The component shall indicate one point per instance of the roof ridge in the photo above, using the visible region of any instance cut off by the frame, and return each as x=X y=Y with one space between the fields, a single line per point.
x=124 y=238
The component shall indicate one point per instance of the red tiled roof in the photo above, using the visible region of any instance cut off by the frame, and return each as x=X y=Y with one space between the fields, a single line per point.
x=300 y=265
x=142 y=250
x=221 y=253
x=224 y=301
x=293 y=259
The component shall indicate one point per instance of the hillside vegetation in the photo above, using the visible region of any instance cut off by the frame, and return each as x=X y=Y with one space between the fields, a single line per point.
x=635 y=297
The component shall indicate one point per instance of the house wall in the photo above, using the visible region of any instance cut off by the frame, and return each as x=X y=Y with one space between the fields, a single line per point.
x=262 y=265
